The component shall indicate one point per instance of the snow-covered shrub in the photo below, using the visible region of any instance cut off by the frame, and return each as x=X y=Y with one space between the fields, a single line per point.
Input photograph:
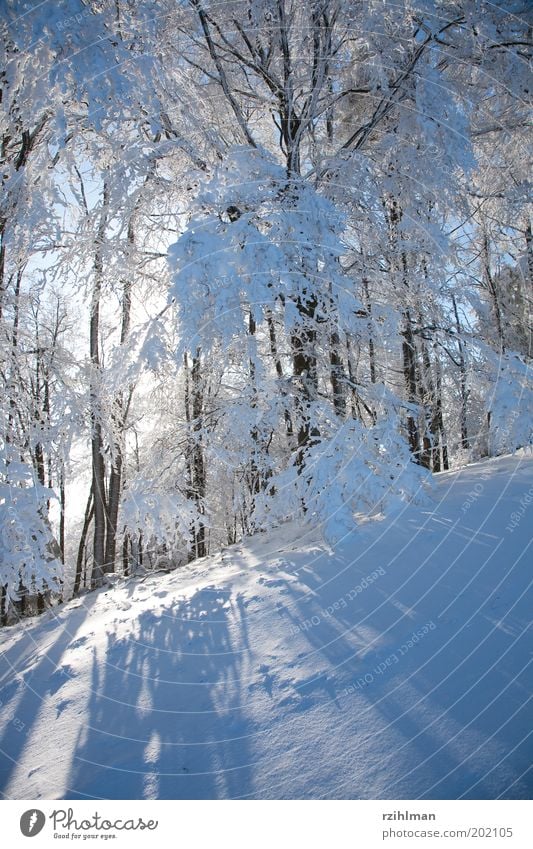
x=28 y=560
x=357 y=470
x=510 y=406
x=163 y=518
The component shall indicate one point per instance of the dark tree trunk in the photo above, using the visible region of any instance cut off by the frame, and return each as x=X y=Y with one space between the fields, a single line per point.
x=394 y=213
x=14 y=348
x=337 y=376
x=99 y=507
x=465 y=442
x=97 y=443
x=3 y=606
x=529 y=253
x=304 y=363
x=409 y=373
x=125 y=554
x=279 y=368
x=119 y=414
x=2 y=269
x=196 y=472
x=431 y=397
x=445 y=464
x=371 y=347
x=115 y=487
x=492 y=290
x=89 y=513
x=255 y=477
x=529 y=284
x=198 y=452
x=41 y=410
x=62 y=506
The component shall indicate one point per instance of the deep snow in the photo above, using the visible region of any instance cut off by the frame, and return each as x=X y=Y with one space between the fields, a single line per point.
x=395 y=666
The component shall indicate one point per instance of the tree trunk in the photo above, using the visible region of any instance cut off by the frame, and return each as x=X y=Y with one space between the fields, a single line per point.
x=125 y=554
x=492 y=290
x=409 y=373
x=255 y=477
x=529 y=254
x=115 y=486
x=465 y=442
x=279 y=369
x=196 y=473
x=97 y=443
x=14 y=347
x=3 y=606
x=99 y=507
x=337 y=376
x=2 y=269
x=444 y=462
x=430 y=455
x=305 y=370
x=89 y=513
x=62 y=506
x=198 y=453
x=39 y=450
x=371 y=348
x=116 y=474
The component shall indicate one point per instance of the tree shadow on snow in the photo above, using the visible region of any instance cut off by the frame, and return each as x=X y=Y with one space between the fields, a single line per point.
x=164 y=717
x=31 y=672
x=455 y=717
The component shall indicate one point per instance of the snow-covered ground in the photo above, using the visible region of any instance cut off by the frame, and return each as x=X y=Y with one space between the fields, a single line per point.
x=395 y=666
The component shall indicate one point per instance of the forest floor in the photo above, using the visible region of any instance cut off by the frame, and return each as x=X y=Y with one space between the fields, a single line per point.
x=395 y=666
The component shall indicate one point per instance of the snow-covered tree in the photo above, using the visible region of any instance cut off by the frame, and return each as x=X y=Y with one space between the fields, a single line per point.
x=258 y=259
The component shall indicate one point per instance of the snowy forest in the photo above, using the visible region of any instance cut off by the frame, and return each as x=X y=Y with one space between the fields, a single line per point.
x=260 y=261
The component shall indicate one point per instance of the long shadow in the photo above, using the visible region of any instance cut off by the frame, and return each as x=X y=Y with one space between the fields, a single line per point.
x=475 y=691
x=343 y=648
x=25 y=686
x=164 y=719
x=332 y=647
x=337 y=635
x=454 y=729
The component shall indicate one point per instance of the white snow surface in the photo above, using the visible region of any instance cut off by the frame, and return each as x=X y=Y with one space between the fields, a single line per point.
x=396 y=666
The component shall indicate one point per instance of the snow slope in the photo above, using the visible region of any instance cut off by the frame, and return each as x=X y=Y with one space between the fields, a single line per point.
x=396 y=666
